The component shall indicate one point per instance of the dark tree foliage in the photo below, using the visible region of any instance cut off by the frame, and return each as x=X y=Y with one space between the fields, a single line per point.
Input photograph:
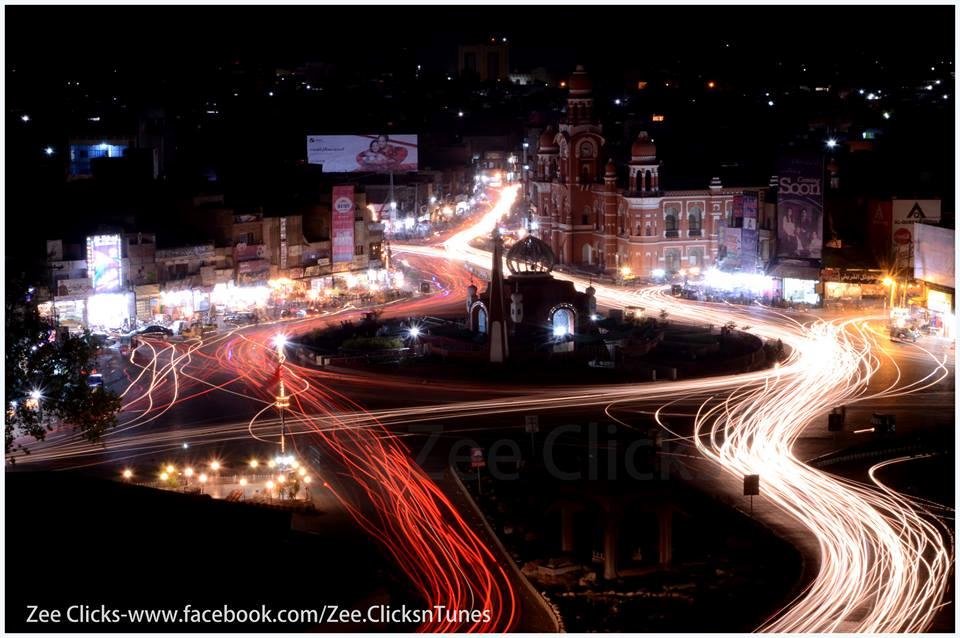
x=38 y=359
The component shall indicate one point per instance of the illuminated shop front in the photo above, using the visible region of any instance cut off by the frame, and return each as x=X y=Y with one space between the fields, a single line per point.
x=184 y=304
x=68 y=313
x=939 y=305
x=231 y=298
x=849 y=290
x=110 y=311
x=800 y=291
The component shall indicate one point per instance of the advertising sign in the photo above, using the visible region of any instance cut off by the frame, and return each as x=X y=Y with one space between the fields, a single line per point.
x=800 y=207
x=253 y=266
x=907 y=212
x=104 y=259
x=342 y=224
x=68 y=287
x=732 y=242
x=363 y=153
x=531 y=423
x=933 y=255
x=750 y=237
x=476 y=457
x=249 y=252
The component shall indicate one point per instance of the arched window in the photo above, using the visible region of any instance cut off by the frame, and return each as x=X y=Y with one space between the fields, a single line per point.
x=647 y=181
x=563 y=322
x=671 y=221
x=481 y=319
x=695 y=221
x=587 y=253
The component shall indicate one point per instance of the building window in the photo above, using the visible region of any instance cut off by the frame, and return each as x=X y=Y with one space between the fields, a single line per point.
x=671 y=222
x=482 y=320
x=695 y=222
x=358 y=250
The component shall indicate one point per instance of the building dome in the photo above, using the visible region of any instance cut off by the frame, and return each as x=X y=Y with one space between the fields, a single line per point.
x=580 y=83
x=547 y=140
x=643 y=147
x=530 y=256
x=611 y=169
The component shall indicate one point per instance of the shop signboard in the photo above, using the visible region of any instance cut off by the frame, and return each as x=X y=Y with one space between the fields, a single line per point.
x=248 y=252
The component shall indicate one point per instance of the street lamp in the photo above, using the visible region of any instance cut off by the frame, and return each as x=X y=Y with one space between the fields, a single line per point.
x=283 y=401
x=891 y=283
x=128 y=474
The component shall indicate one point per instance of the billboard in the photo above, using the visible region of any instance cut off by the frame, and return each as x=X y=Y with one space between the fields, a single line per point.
x=363 y=153
x=248 y=252
x=342 y=224
x=933 y=255
x=750 y=237
x=104 y=259
x=907 y=212
x=800 y=207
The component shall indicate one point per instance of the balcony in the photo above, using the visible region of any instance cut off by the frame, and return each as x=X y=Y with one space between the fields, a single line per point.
x=671 y=234
x=695 y=232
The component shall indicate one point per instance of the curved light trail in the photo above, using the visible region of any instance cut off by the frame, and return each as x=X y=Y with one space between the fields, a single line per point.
x=885 y=562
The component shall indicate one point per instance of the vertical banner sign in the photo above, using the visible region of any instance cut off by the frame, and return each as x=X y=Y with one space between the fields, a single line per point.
x=283 y=243
x=732 y=241
x=104 y=259
x=800 y=207
x=342 y=224
x=750 y=237
x=737 y=211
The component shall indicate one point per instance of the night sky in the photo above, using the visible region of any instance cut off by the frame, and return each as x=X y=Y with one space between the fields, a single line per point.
x=130 y=59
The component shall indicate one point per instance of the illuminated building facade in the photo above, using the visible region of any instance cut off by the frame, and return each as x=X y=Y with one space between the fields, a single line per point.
x=593 y=224
x=539 y=313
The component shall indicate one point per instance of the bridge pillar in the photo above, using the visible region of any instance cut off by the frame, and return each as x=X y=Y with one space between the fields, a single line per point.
x=665 y=521
x=610 y=547
x=566 y=529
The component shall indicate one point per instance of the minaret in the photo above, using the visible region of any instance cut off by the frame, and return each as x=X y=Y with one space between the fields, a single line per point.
x=499 y=348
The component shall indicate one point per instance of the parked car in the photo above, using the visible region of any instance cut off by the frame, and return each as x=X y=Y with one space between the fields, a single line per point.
x=155 y=330
x=904 y=334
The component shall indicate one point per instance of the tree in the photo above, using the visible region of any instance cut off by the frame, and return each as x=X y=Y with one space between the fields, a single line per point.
x=47 y=374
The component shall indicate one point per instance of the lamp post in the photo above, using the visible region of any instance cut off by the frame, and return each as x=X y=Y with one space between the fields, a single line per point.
x=283 y=400
x=892 y=285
